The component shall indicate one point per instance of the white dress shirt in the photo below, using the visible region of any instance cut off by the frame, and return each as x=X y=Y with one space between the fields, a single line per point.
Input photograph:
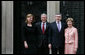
x=44 y=25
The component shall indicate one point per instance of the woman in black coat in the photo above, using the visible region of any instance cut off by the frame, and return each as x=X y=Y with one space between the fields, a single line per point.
x=29 y=37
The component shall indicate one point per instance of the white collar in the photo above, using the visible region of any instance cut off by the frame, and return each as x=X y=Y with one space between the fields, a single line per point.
x=44 y=23
x=57 y=22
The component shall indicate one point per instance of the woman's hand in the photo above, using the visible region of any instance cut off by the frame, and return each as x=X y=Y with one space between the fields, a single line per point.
x=25 y=44
x=49 y=46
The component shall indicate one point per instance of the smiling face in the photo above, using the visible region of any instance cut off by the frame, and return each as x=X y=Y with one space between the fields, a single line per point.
x=58 y=17
x=43 y=17
x=69 y=22
x=30 y=19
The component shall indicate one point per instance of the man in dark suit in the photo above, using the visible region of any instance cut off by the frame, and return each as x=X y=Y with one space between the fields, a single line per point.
x=57 y=36
x=42 y=30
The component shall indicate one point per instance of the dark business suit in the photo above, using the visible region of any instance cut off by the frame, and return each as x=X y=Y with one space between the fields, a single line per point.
x=42 y=38
x=57 y=38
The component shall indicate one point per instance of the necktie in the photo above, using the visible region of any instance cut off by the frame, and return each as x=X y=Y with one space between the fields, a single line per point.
x=43 y=29
x=58 y=26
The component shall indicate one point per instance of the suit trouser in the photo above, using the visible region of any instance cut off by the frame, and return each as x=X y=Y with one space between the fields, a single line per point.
x=43 y=50
x=57 y=50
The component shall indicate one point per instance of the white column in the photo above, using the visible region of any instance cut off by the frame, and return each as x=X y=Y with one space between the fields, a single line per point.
x=3 y=28
x=53 y=7
x=7 y=27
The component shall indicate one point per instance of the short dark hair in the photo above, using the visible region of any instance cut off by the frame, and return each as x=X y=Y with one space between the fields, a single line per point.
x=59 y=14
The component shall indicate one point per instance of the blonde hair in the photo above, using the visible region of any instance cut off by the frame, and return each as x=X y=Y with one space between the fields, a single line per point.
x=28 y=15
x=70 y=19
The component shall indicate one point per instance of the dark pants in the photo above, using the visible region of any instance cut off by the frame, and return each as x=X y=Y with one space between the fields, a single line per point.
x=30 y=50
x=43 y=49
x=57 y=50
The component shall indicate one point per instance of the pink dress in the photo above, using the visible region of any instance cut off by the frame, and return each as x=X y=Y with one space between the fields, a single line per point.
x=71 y=40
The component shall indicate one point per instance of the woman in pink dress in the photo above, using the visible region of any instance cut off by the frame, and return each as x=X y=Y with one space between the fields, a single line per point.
x=71 y=38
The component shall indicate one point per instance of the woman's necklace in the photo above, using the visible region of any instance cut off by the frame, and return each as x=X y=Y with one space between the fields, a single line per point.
x=69 y=30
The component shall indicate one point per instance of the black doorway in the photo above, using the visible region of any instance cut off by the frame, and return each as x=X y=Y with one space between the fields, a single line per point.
x=21 y=9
